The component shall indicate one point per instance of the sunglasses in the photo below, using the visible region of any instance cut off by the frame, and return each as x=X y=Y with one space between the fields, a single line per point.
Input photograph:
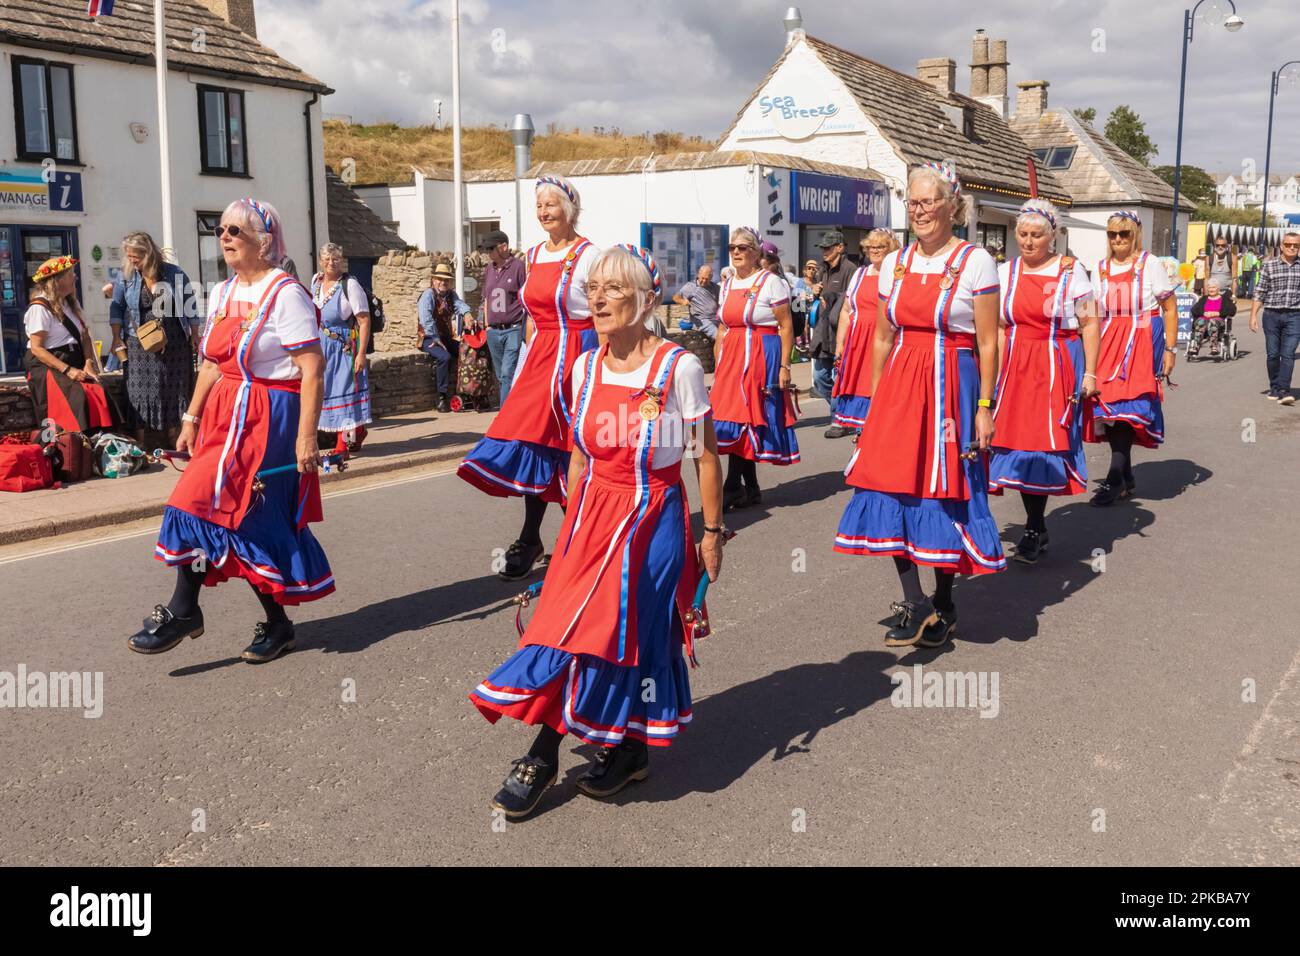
x=232 y=231
x=1120 y=234
x=740 y=248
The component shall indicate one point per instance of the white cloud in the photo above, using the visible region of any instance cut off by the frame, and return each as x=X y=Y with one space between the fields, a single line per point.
x=688 y=65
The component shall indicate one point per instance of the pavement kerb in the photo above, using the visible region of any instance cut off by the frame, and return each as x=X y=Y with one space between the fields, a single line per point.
x=50 y=527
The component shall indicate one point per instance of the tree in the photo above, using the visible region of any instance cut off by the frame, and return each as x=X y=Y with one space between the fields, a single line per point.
x=1085 y=115
x=1126 y=130
x=1197 y=185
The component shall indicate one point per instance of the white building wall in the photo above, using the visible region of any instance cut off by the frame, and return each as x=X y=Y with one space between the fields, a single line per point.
x=120 y=176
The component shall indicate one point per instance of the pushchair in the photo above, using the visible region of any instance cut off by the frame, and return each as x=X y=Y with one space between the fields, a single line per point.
x=1215 y=337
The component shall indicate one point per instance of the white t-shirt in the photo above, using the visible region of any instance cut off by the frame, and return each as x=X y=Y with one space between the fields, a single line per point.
x=1156 y=286
x=292 y=326
x=353 y=301
x=687 y=402
x=575 y=300
x=1080 y=287
x=979 y=277
x=773 y=293
x=38 y=318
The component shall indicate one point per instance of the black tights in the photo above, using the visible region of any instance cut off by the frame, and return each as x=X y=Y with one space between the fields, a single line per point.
x=185 y=599
x=1120 y=436
x=910 y=577
x=740 y=470
x=534 y=512
x=547 y=745
x=1035 y=511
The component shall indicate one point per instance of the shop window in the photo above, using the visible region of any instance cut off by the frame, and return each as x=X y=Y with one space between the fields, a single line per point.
x=680 y=250
x=212 y=264
x=45 y=111
x=991 y=237
x=223 y=144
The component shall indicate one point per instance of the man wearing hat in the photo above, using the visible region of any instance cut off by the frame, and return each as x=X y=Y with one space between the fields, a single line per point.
x=832 y=281
x=502 y=311
x=439 y=310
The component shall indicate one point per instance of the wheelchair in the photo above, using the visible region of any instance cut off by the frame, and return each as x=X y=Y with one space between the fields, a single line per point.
x=1211 y=338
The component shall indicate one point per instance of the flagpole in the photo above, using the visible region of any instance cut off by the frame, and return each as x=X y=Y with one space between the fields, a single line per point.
x=164 y=147
x=458 y=212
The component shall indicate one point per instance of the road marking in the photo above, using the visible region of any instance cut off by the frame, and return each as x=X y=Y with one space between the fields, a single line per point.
x=153 y=529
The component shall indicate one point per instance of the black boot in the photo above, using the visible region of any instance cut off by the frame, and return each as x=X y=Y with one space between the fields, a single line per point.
x=443 y=404
x=941 y=631
x=163 y=630
x=614 y=768
x=524 y=787
x=269 y=642
x=915 y=616
x=520 y=559
x=1106 y=495
x=1031 y=547
x=895 y=618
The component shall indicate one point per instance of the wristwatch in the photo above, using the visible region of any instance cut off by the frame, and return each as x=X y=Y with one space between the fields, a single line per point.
x=720 y=529
x=191 y=419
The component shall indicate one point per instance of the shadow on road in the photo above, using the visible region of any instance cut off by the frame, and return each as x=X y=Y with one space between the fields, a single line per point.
x=790 y=494
x=1008 y=605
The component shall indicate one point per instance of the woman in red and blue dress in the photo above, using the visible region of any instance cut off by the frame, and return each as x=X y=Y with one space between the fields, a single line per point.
x=1047 y=360
x=605 y=656
x=255 y=408
x=526 y=448
x=922 y=489
x=1139 y=328
x=753 y=410
x=855 y=338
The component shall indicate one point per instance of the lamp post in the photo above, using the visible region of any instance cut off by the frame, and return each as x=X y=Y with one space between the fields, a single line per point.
x=1232 y=25
x=1268 y=150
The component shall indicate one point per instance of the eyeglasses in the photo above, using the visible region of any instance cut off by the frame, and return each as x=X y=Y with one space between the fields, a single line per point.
x=877 y=248
x=1291 y=245
x=612 y=290
x=744 y=247
x=927 y=204
x=232 y=231
x=1118 y=234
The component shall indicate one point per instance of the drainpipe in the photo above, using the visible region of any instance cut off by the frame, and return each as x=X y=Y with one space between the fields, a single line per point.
x=311 y=178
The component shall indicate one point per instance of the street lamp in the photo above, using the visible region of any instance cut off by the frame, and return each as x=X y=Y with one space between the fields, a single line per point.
x=1268 y=150
x=1232 y=25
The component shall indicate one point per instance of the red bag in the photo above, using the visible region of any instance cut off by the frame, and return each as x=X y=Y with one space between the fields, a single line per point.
x=23 y=466
x=73 y=460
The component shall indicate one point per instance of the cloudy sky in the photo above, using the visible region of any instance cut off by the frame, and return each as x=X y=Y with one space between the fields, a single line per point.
x=688 y=65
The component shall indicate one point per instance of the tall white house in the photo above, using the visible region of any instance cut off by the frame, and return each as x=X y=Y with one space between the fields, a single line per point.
x=79 y=158
x=1247 y=192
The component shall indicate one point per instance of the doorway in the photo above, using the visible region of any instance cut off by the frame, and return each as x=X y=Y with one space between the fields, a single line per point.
x=22 y=250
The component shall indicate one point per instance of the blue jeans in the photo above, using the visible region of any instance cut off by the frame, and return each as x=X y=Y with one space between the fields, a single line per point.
x=823 y=377
x=1281 y=336
x=503 y=344
x=441 y=363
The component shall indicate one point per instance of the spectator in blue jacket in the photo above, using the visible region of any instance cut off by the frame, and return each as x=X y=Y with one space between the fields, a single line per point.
x=441 y=313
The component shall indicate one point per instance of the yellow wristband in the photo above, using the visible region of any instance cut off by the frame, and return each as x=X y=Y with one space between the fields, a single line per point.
x=985 y=403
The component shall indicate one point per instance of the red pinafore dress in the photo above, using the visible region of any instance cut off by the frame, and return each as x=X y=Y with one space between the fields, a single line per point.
x=917 y=496
x=609 y=618
x=852 y=391
x=526 y=448
x=214 y=515
x=1131 y=358
x=753 y=416
x=1038 y=437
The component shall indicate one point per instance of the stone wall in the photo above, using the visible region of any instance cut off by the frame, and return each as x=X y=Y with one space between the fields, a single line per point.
x=401 y=382
x=400 y=278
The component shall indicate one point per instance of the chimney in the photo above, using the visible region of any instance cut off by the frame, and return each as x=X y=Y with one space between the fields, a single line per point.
x=238 y=13
x=939 y=72
x=793 y=22
x=979 y=65
x=994 y=82
x=1031 y=100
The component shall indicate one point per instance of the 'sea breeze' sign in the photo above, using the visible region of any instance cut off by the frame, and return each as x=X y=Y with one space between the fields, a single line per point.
x=792 y=118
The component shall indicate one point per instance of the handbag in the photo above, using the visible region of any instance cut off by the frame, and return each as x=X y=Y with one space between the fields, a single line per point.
x=69 y=454
x=152 y=336
x=24 y=466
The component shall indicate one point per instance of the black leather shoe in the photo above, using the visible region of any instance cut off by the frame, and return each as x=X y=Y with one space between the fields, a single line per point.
x=895 y=619
x=614 y=768
x=1130 y=488
x=269 y=642
x=835 y=431
x=163 y=630
x=915 y=618
x=1031 y=547
x=1105 y=496
x=735 y=500
x=443 y=404
x=941 y=631
x=524 y=787
x=753 y=496
x=520 y=559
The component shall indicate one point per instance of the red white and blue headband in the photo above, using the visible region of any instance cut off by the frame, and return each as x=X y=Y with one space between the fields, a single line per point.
x=1035 y=208
x=652 y=267
x=944 y=170
x=1129 y=215
x=562 y=184
x=262 y=213
x=751 y=231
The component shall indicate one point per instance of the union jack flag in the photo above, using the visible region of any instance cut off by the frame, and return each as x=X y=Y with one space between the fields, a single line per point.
x=99 y=8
